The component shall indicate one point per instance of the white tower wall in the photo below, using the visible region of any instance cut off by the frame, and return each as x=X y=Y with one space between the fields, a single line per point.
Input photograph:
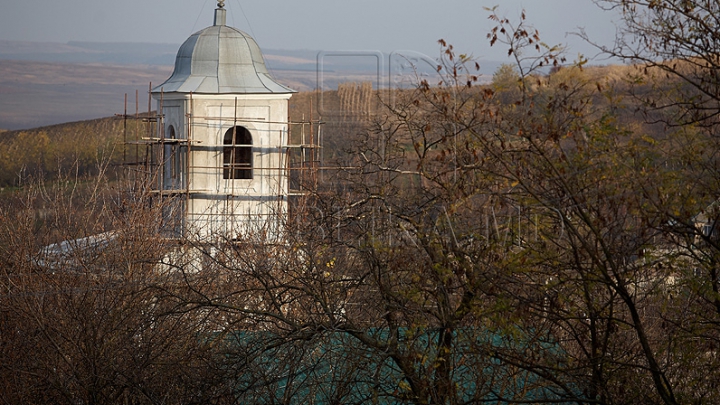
x=220 y=82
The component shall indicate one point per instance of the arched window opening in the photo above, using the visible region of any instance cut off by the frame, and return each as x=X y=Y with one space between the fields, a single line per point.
x=237 y=154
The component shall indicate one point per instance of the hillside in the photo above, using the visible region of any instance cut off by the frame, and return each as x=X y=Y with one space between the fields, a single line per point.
x=81 y=145
x=70 y=149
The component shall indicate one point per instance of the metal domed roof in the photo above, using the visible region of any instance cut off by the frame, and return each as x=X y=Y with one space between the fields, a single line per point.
x=218 y=60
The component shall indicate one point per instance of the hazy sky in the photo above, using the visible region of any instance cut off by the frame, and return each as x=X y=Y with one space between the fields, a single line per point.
x=383 y=25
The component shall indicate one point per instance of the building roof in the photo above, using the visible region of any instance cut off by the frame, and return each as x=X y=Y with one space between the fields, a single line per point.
x=221 y=59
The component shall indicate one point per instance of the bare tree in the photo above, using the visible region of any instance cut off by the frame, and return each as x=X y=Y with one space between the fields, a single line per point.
x=677 y=39
x=81 y=318
x=397 y=282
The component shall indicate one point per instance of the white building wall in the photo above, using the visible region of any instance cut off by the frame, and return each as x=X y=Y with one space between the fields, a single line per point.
x=232 y=208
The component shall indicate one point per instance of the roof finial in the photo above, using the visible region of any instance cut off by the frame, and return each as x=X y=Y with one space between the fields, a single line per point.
x=220 y=13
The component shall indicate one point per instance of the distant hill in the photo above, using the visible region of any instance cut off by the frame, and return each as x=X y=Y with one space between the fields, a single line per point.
x=89 y=52
x=34 y=94
x=128 y=53
x=45 y=83
x=48 y=83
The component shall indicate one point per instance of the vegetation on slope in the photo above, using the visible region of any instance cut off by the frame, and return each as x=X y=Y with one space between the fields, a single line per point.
x=77 y=149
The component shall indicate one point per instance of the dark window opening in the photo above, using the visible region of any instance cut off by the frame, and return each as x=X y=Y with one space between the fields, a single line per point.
x=237 y=154
x=170 y=159
x=174 y=161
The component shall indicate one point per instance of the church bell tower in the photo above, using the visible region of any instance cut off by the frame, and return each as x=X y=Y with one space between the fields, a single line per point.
x=223 y=131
